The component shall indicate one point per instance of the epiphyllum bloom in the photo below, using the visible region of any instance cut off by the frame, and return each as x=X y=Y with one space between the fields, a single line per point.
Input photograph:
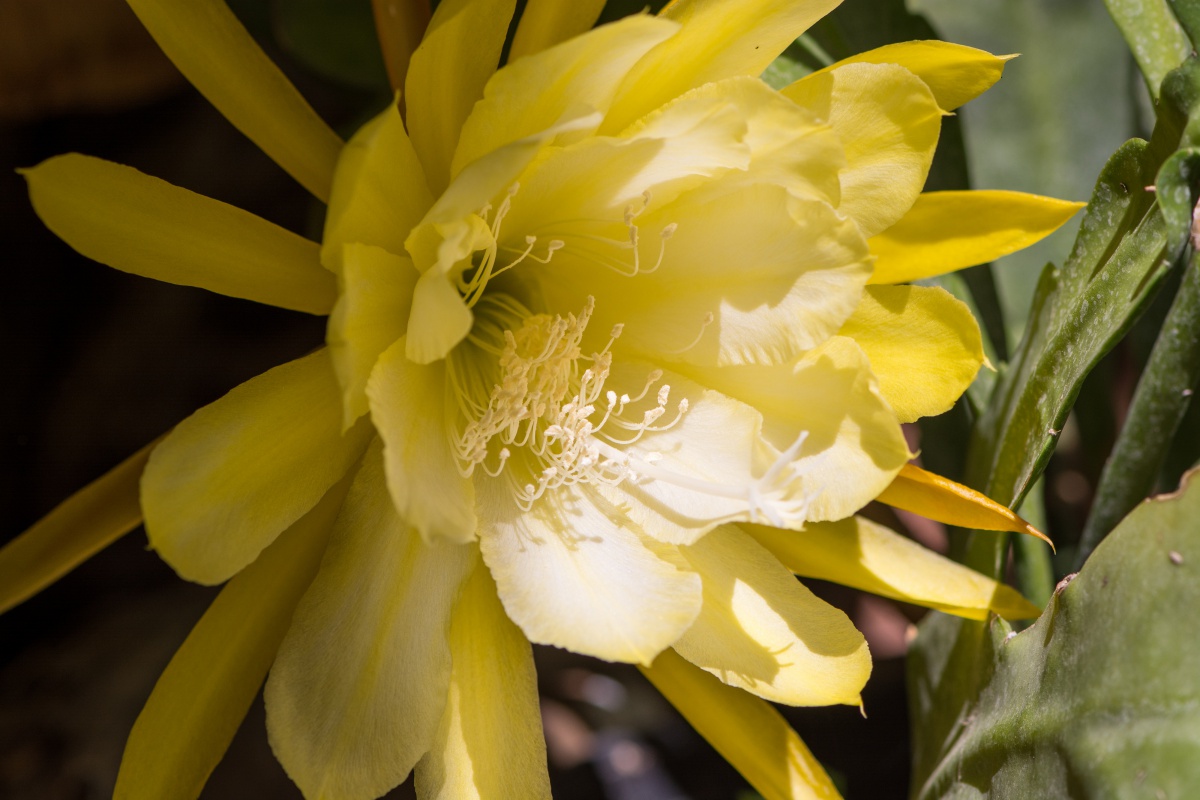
x=614 y=350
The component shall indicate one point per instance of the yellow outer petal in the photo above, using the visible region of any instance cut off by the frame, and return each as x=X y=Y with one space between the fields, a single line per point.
x=490 y=742
x=411 y=411
x=888 y=122
x=943 y=500
x=857 y=552
x=202 y=696
x=924 y=346
x=212 y=49
x=139 y=224
x=78 y=528
x=238 y=472
x=371 y=313
x=359 y=685
x=719 y=39
x=580 y=75
x=750 y=734
x=545 y=23
x=460 y=52
x=761 y=630
x=945 y=231
x=954 y=73
x=379 y=193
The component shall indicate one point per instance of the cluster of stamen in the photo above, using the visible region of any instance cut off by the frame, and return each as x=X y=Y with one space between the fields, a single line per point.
x=486 y=269
x=546 y=403
x=621 y=255
x=549 y=402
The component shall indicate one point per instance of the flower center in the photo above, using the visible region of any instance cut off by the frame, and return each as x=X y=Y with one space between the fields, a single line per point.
x=545 y=402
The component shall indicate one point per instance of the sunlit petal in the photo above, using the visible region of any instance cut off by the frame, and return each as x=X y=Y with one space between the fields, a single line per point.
x=379 y=193
x=956 y=74
x=863 y=554
x=945 y=231
x=827 y=406
x=923 y=344
x=718 y=40
x=946 y=501
x=535 y=93
x=746 y=731
x=761 y=630
x=888 y=122
x=573 y=573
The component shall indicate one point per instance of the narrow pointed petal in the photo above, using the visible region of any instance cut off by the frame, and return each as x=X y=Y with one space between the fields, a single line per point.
x=238 y=472
x=943 y=500
x=718 y=40
x=536 y=93
x=860 y=553
x=460 y=51
x=945 y=231
x=399 y=24
x=490 y=742
x=760 y=629
x=139 y=224
x=371 y=314
x=410 y=406
x=220 y=58
x=360 y=682
x=78 y=528
x=201 y=698
x=751 y=735
x=923 y=344
x=379 y=193
x=955 y=73
x=545 y=23
x=888 y=122
x=573 y=573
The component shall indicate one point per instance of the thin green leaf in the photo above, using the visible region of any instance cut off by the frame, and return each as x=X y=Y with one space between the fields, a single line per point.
x=1154 y=35
x=1098 y=697
x=1171 y=375
x=1188 y=14
x=1081 y=311
x=1123 y=250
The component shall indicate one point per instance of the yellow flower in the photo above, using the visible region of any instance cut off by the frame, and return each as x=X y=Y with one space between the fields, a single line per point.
x=614 y=350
